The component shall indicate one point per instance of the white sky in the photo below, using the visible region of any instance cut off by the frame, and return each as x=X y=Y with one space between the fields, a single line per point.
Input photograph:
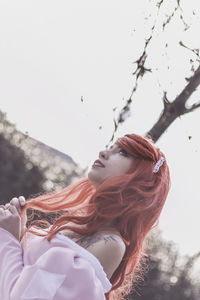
x=52 y=53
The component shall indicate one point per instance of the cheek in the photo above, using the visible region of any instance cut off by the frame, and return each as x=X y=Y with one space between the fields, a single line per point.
x=120 y=167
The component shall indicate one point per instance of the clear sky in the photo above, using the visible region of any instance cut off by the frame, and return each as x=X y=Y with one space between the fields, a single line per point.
x=54 y=53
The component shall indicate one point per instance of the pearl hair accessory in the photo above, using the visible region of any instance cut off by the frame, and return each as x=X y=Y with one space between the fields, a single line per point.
x=158 y=164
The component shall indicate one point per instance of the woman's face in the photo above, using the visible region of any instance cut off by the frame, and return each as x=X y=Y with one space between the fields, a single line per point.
x=112 y=162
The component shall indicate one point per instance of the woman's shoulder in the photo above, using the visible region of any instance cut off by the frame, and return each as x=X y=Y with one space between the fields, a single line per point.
x=103 y=244
x=108 y=247
x=107 y=235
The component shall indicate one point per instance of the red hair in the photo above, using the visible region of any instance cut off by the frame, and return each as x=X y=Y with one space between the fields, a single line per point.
x=132 y=201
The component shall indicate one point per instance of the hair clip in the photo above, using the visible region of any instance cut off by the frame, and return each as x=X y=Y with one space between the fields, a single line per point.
x=158 y=164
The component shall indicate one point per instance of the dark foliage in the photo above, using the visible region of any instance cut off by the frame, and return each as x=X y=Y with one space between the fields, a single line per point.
x=18 y=176
x=169 y=276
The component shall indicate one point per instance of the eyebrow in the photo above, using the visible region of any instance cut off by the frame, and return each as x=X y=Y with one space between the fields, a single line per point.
x=116 y=146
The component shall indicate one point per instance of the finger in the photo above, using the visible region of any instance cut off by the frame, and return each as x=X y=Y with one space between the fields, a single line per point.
x=7 y=212
x=2 y=211
x=15 y=202
x=2 y=206
x=22 y=200
x=7 y=205
x=13 y=210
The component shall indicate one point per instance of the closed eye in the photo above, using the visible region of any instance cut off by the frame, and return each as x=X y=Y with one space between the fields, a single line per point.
x=124 y=153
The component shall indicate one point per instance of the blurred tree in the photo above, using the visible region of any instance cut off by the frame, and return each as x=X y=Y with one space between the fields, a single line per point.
x=169 y=275
x=56 y=169
x=29 y=167
x=17 y=175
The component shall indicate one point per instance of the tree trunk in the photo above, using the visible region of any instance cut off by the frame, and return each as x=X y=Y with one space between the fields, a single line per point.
x=174 y=109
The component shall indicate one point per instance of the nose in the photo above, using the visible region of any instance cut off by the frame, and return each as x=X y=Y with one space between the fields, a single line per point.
x=103 y=154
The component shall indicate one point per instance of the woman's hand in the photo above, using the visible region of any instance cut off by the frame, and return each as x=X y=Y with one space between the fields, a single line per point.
x=19 y=203
x=10 y=220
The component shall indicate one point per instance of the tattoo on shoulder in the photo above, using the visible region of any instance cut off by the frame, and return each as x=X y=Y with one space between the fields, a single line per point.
x=91 y=240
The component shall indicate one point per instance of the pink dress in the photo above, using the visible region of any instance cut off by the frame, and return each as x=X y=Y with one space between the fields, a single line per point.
x=35 y=269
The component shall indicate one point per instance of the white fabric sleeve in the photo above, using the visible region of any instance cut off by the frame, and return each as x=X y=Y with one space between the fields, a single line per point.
x=58 y=274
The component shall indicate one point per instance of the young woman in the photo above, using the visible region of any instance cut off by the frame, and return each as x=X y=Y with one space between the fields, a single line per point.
x=94 y=248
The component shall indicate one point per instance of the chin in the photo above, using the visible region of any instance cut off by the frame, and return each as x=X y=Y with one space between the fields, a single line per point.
x=93 y=179
x=90 y=176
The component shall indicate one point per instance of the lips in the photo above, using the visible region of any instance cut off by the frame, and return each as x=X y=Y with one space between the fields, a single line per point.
x=98 y=163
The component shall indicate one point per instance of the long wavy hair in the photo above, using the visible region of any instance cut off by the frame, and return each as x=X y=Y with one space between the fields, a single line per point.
x=132 y=202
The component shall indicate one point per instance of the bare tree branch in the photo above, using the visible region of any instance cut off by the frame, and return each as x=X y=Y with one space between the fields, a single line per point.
x=178 y=7
x=174 y=109
x=170 y=17
x=159 y=3
x=195 y=51
x=192 y=108
x=165 y=100
x=139 y=73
